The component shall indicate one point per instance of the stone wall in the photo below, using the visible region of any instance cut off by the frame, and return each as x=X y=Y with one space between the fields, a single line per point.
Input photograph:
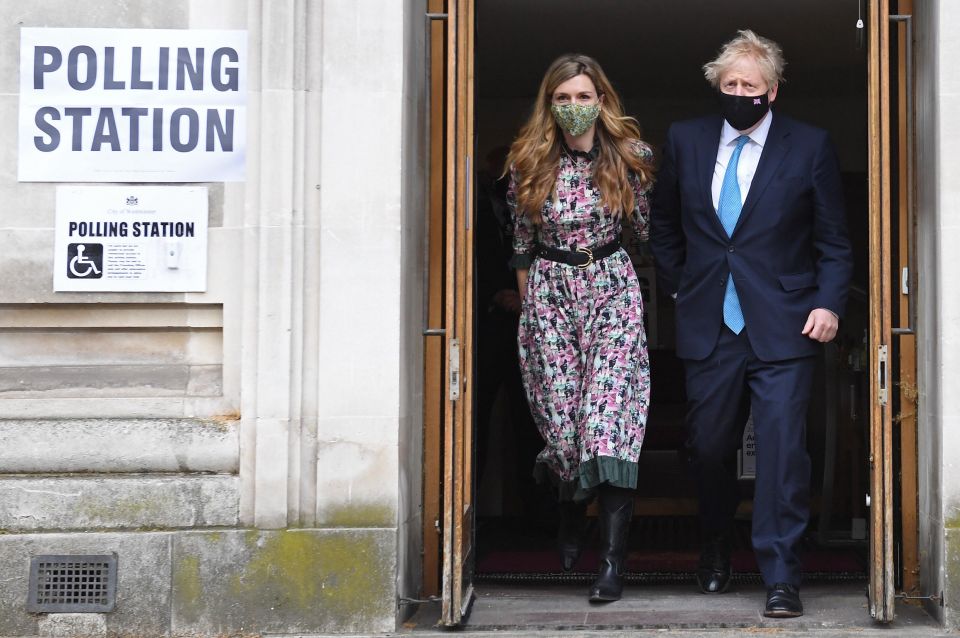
x=239 y=449
x=929 y=422
x=943 y=134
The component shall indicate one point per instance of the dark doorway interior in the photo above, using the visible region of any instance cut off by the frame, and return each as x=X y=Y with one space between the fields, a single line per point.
x=653 y=51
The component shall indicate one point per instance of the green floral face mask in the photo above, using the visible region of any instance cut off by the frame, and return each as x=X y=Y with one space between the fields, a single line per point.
x=575 y=119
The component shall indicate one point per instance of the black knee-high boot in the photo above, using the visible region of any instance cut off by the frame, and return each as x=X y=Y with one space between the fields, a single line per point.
x=616 y=510
x=571 y=532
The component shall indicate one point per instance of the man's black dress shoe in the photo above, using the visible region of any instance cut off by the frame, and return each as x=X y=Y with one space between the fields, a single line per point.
x=713 y=570
x=783 y=601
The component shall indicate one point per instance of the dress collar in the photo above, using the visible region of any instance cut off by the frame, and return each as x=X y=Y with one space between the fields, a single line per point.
x=592 y=154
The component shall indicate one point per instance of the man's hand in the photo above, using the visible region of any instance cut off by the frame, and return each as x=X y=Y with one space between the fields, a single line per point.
x=821 y=325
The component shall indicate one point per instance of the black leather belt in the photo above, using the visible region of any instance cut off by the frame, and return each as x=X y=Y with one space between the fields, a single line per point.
x=581 y=257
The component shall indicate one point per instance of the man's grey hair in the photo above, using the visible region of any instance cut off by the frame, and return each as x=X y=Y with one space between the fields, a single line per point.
x=766 y=52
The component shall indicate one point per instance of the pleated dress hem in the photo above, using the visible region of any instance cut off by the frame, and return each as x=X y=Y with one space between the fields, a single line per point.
x=592 y=473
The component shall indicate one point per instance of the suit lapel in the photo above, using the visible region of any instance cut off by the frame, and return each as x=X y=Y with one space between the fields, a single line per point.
x=708 y=143
x=774 y=151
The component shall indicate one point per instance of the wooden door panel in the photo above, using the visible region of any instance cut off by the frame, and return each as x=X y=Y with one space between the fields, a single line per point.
x=434 y=362
x=458 y=511
x=904 y=278
x=881 y=588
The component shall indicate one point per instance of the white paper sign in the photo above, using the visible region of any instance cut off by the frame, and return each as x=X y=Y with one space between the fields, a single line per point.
x=131 y=238
x=132 y=105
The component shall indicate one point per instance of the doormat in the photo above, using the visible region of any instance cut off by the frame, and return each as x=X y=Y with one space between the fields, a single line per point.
x=660 y=549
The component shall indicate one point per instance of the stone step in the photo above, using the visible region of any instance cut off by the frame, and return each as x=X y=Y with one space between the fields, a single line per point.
x=113 y=502
x=118 y=445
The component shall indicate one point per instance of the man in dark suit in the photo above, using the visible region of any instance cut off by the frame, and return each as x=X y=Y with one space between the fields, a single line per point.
x=749 y=234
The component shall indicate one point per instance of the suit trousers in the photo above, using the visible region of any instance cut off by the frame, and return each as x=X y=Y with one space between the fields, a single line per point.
x=721 y=389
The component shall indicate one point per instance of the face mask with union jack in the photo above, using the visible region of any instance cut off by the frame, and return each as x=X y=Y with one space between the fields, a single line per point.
x=743 y=111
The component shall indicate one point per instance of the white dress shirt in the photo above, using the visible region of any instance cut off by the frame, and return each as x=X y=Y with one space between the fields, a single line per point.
x=749 y=157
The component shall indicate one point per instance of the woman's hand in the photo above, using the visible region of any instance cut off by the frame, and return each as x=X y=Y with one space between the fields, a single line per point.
x=508 y=299
x=522 y=282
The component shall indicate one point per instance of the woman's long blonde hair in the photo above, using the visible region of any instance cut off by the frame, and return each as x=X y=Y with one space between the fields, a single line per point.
x=535 y=154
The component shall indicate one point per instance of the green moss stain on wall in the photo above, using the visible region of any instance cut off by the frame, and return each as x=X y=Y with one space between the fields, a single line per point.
x=361 y=515
x=951 y=575
x=284 y=581
x=187 y=586
x=300 y=573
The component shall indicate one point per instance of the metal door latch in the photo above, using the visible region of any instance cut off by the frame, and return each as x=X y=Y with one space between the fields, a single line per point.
x=454 y=369
x=882 y=374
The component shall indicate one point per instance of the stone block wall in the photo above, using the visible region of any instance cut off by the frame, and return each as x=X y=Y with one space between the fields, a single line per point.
x=250 y=452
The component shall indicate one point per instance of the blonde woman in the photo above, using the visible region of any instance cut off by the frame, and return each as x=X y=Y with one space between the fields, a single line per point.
x=578 y=172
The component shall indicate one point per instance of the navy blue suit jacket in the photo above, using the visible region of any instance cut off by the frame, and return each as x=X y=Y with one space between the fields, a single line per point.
x=789 y=252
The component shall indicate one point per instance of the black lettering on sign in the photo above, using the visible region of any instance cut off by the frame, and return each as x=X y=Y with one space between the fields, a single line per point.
x=41 y=66
x=51 y=131
x=232 y=74
x=183 y=128
x=193 y=130
x=135 y=69
x=189 y=67
x=158 y=129
x=223 y=132
x=133 y=115
x=106 y=132
x=89 y=68
x=77 y=114
x=109 y=82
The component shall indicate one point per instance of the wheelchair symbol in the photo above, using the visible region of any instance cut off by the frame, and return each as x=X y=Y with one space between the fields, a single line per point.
x=85 y=266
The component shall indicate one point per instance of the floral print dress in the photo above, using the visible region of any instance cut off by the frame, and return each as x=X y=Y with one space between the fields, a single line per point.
x=583 y=347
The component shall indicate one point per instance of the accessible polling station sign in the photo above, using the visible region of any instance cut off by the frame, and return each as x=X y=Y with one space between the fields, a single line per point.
x=131 y=238
x=132 y=105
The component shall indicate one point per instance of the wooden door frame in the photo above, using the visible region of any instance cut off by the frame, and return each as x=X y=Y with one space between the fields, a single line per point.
x=906 y=385
x=881 y=590
x=457 y=488
x=433 y=346
x=458 y=506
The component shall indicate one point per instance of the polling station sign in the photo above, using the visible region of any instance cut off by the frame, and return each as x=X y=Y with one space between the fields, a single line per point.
x=132 y=105
x=131 y=239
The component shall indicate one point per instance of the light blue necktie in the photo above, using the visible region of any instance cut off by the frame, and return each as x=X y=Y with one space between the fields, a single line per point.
x=729 y=211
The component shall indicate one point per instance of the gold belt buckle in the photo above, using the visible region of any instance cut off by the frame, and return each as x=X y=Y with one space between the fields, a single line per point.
x=589 y=254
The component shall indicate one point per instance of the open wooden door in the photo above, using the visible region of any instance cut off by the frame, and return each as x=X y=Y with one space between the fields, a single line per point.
x=434 y=368
x=903 y=93
x=458 y=505
x=880 y=498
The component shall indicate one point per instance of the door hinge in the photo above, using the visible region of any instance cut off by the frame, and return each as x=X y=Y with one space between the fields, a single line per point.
x=905 y=281
x=882 y=374
x=454 y=366
x=937 y=598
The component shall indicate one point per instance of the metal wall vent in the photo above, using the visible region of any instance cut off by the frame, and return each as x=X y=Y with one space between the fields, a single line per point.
x=73 y=583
